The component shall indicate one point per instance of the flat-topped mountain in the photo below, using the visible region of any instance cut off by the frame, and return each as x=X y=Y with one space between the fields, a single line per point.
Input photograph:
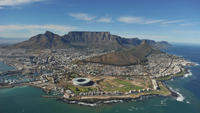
x=93 y=39
x=136 y=55
x=81 y=39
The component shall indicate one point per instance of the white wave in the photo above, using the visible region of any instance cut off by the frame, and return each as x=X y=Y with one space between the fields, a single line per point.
x=180 y=97
x=188 y=102
x=112 y=101
x=163 y=102
x=188 y=74
x=21 y=86
x=177 y=90
x=87 y=104
x=195 y=63
x=130 y=109
x=135 y=108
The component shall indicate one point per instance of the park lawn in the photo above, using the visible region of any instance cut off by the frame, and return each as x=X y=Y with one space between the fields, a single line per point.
x=119 y=85
x=74 y=75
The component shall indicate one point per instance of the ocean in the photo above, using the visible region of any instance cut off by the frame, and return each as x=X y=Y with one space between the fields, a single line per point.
x=28 y=99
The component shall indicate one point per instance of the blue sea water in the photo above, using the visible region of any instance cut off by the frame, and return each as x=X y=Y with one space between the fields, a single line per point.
x=28 y=99
x=5 y=67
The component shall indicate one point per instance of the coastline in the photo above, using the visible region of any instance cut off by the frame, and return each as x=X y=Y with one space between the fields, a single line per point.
x=95 y=101
x=91 y=102
x=98 y=101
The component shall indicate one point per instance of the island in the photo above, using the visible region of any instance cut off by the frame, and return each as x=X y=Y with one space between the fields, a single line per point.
x=91 y=68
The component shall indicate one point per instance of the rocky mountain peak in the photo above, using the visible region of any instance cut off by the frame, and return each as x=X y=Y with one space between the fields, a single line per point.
x=144 y=42
x=49 y=34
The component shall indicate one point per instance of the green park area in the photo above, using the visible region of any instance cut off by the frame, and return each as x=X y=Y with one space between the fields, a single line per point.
x=119 y=85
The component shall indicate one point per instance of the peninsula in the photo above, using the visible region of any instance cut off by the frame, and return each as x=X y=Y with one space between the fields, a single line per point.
x=91 y=67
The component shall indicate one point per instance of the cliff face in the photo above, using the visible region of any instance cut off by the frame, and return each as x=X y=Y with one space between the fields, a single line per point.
x=81 y=39
x=92 y=39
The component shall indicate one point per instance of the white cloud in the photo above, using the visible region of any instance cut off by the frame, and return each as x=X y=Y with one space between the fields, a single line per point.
x=141 y=20
x=172 y=21
x=29 y=27
x=138 y=20
x=153 y=21
x=105 y=20
x=30 y=30
x=186 y=24
x=82 y=16
x=87 y=17
x=4 y=3
x=129 y=19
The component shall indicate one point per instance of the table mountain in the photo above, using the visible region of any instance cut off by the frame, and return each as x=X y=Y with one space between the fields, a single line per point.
x=93 y=39
x=81 y=39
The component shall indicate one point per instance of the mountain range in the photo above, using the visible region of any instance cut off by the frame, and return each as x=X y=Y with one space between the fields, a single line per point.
x=81 y=39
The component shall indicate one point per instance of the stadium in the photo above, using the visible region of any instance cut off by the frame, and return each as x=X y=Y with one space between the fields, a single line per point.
x=81 y=81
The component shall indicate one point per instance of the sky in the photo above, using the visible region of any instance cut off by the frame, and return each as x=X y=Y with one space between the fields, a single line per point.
x=168 y=20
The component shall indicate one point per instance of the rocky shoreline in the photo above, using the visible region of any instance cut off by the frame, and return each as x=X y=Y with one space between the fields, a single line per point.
x=96 y=102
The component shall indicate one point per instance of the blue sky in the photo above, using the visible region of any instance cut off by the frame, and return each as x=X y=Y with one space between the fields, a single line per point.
x=170 y=20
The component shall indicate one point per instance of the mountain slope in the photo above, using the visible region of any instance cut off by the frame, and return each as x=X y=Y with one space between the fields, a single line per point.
x=43 y=41
x=136 y=55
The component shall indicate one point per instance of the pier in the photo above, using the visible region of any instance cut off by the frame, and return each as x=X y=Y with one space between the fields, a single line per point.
x=12 y=72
